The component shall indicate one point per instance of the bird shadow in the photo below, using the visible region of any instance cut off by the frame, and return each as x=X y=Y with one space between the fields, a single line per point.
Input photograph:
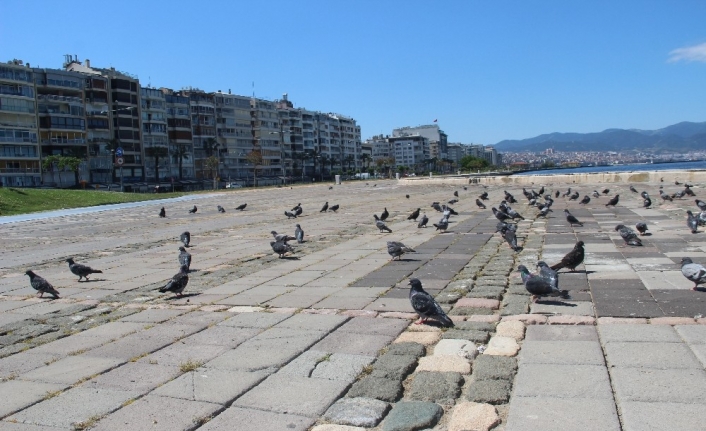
x=519 y=249
x=555 y=302
x=647 y=234
x=93 y=280
x=186 y=295
x=290 y=257
x=406 y=260
x=700 y=289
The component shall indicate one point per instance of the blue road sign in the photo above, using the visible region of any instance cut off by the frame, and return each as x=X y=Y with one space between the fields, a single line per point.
x=119 y=151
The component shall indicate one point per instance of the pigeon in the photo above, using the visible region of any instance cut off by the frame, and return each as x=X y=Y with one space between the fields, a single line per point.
x=678 y=195
x=82 y=271
x=414 y=215
x=297 y=206
x=510 y=198
x=450 y=210
x=647 y=202
x=539 y=286
x=480 y=204
x=453 y=201
x=632 y=189
x=628 y=235
x=641 y=227
x=330 y=187
x=548 y=274
x=384 y=215
x=644 y=195
x=281 y=248
x=545 y=211
x=688 y=191
x=500 y=215
x=613 y=201
x=568 y=193
x=701 y=204
x=407 y=196
x=397 y=249
x=585 y=200
x=41 y=285
x=221 y=209
x=423 y=222
x=162 y=213
x=572 y=259
x=185 y=238
x=541 y=191
x=299 y=234
x=324 y=208
x=702 y=218
x=692 y=271
x=510 y=237
x=514 y=214
x=241 y=207
x=465 y=188
x=571 y=219
x=436 y=206
x=596 y=194
x=691 y=221
x=527 y=194
x=456 y=193
x=178 y=282
x=290 y=215
x=664 y=196
x=556 y=195
x=606 y=191
x=502 y=226
x=442 y=225
x=484 y=196
x=193 y=210
x=677 y=183
x=574 y=196
x=381 y=225
x=334 y=208
x=282 y=237
x=425 y=306
x=184 y=258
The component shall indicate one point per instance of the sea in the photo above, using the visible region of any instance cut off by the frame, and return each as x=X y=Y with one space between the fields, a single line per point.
x=671 y=166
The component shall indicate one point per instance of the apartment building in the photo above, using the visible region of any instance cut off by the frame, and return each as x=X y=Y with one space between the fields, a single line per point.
x=155 y=137
x=410 y=150
x=179 y=132
x=266 y=128
x=98 y=129
x=438 y=140
x=234 y=134
x=19 y=143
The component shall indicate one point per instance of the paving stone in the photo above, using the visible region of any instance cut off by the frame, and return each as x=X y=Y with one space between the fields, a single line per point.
x=363 y=412
x=478 y=303
x=456 y=348
x=423 y=338
x=359 y=344
x=374 y=387
x=211 y=385
x=73 y=407
x=563 y=381
x=152 y=315
x=412 y=416
x=528 y=319
x=493 y=318
x=489 y=391
x=571 y=320
x=313 y=322
x=221 y=336
x=395 y=367
x=134 y=376
x=235 y=418
x=255 y=320
x=621 y=320
x=468 y=416
x=180 y=353
x=672 y=321
x=333 y=427
x=561 y=352
x=71 y=369
x=512 y=329
x=502 y=346
x=652 y=385
x=487 y=367
x=480 y=337
x=23 y=394
x=140 y=343
x=444 y=364
x=561 y=333
x=364 y=325
x=560 y=414
x=341 y=366
x=293 y=395
x=638 y=333
x=407 y=348
x=467 y=311
x=438 y=387
x=659 y=416
x=159 y=413
x=650 y=355
x=692 y=334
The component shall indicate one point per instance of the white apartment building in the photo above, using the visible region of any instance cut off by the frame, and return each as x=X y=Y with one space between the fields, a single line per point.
x=410 y=150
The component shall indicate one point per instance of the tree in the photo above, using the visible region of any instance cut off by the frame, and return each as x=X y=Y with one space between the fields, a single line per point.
x=348 y=160
x=48 y=162
x=210 y=146
x=332 y=161
x=313 y=155
x=181 y=152
x=211 y=164
x=73 y=163
x=366 y=159
x=254 y=157
x=323 y=161
x=473 y=163
x=157 y=153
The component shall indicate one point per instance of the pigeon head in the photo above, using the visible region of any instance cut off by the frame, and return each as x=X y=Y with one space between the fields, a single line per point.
x=542 y=264
x=620 y=226
x=689 y=212
x=684 y=261
x=580 y=244
x=566 y=211
x=182 y=248
x=30 y=273
x=415 y=283
x=70 y=260
x=523 y=270
x=298 y=225
x=273 y=232
x=376 y=217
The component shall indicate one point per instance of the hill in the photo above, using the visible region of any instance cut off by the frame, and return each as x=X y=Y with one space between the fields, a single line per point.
x=681 y=137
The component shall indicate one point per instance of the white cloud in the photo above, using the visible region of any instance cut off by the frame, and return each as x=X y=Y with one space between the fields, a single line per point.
x=689 y=53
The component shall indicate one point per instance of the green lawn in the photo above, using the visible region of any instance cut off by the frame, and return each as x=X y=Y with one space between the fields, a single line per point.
x=22 y=201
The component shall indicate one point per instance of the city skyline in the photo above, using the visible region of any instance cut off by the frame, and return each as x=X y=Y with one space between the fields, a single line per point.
x=485 y=72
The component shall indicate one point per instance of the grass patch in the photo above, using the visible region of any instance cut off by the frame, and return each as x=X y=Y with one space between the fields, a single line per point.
x=88 y=423
x=325 y=358
x=51 y=394
x=189 y=365
x=22 y=201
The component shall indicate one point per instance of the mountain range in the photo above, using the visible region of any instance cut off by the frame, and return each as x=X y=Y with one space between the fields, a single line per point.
x=677 y=138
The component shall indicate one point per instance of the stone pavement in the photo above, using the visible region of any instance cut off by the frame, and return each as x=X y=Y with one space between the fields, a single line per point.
x=322 y=339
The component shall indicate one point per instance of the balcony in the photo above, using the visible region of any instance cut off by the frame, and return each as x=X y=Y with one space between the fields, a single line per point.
x=17 y=109
x=18 y=140
x=24 y=125
x=60 y=141
x=55 y=98
x=19 y=171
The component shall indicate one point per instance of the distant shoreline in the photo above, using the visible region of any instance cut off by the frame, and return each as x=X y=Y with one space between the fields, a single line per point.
x=660 y=166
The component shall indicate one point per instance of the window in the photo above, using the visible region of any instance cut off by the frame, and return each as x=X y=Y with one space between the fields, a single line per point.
x=17 y=105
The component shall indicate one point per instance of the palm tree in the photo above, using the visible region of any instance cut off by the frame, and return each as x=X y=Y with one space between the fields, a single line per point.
x=209 y=146
x=181 y=152
x=332 y=161
x=366 y=159
x=313 y=155
x=349 y=159
x=211 y=163
x=324 y=160
x=254 y=157
x=157 y=153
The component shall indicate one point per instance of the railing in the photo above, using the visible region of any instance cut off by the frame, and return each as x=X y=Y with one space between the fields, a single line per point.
x=63 y=141
x=16 y=109
x=14 y=139
x=67 y=99
x=17 y=124
x=19 y=170
x=96 y=113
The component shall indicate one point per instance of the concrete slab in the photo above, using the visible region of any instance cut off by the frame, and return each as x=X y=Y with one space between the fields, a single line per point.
x=574 y=308
x=211 y=385
x=228 y=336
x=313 y=322
x=664 y=280
x=692 y=334
x=638 y=333
x=253 y=419
x=153 y=315
x=255 y=320
x=650 y=355
x=180 y=353
x=653 y=416
x=561 y=352
x=375 y=326
x=71 y=369
x=561 y=414
x=559 y=333
x=24 y=394
x=341 y=366
x=345 y=342
x=653 y=385
x=563 y=381
x=135 y=376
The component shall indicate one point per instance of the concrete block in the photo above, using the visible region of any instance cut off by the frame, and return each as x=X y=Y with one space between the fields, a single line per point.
x=341 y=366
x=563 y=381
x=561 y=352
x=363 y=412
x=650 y=355
x=561 y=333
x=412 y=415
x=444 y=364
x=489 y=391
x=423 y=338
x=560 y=414
x=652 y=385
x=511 y=328
x=469 y=416
x=23 y=394
x=374 y=387
x=70 y=370
x=135 y=376
x=638 y=333
x=658 y=416
x=692 y=334
x=502 y=346
x=438 y=387
x=211 y=385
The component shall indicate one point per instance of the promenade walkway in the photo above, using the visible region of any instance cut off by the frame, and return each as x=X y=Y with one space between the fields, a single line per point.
x=324 y=339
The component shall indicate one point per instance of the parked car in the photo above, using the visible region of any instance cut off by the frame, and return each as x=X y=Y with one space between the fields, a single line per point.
x=233 y=186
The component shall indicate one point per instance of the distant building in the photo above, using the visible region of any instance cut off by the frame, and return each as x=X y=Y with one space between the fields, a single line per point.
x=410 y=150
x=438 y=140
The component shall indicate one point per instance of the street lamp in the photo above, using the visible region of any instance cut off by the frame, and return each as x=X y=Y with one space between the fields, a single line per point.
x=118 y=123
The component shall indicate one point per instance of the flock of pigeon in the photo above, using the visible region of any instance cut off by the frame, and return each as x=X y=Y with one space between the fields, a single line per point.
x=544 y=282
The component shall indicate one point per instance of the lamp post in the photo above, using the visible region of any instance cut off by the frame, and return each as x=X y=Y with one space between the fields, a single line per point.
x=118 y=140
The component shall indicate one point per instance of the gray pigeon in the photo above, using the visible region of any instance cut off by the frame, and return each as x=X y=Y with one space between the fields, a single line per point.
x=549 y=274
x=502 y=226
x=701 y=204
x=162 y=213
x=282 y=237
x=692 y=222
x=385 y=214
x=241 y=207
x=442 y=225
x=423 y=222
x=585 y=200
x=290 y=215
x=178 y=282
x=510 y=237
x=628 y=235
x=702 y=218
x=193 y=210
x=82 y=271
x=281 y=248
x=499 y=214
x=334 y=208
x=571 y=219
x=414 y=215
x=184 y=258
x=397 y=249
x=185 y=238
x=299 y=234
x=693 y=271
x=41 y=285
x=595 y=194
x=381 y=225
x=324 y=208
x=641 y=227
x=572 y=259
x=480 y=204
x=425 y=306
x=545 y=211
x=539 y=286
x=614 y=201
x=221 y=209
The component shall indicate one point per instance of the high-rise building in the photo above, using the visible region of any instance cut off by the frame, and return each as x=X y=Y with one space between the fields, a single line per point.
x=203 y=128
x=19 y=146
x=181 y=144
x=438 y=140
x=98 y=129
x=410 y=150
x=234 y=135
x=155 y=137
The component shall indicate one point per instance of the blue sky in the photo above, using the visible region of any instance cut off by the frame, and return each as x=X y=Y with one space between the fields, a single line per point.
x=487 y=70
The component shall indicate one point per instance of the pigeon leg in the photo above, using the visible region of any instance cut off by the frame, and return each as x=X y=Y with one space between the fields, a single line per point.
x=41 y=294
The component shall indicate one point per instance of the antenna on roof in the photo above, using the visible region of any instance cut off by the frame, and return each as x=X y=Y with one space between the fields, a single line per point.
x=253 y=89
